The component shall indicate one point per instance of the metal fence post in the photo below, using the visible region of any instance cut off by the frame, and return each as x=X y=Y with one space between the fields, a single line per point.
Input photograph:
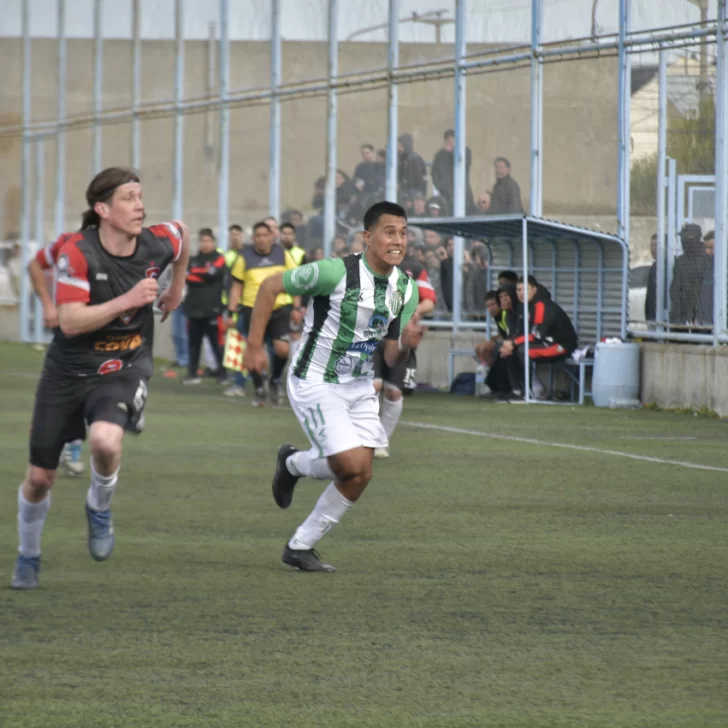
x=60 y=201
x=536 y=195
x=224 y=173
x=331 y=124
x=98 y=88
x=274 y=193
x=179 y=129
x=460 y=161
x=393 y=111
x=39 y=229
x=623 y=133
x=25 y=212
x=661 y=163
x=136 y=82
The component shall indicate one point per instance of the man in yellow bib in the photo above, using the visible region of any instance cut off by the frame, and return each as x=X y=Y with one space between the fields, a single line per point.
x=253 y=265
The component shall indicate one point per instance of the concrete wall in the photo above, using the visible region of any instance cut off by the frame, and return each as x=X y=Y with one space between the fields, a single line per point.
x=685 y=376
x=580 y=111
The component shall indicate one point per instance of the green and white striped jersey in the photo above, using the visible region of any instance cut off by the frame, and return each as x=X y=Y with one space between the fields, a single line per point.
x=351 y=310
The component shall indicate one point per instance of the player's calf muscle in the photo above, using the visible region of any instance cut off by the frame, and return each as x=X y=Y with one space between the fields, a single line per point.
x=353 y=471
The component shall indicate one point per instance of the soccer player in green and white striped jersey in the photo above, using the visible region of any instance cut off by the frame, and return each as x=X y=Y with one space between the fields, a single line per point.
x=356 y=302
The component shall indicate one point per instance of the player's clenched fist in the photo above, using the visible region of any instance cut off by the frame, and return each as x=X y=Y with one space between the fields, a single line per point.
x=143 y=293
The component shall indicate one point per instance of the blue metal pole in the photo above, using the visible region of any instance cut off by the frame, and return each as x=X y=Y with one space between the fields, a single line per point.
x=25 y=212
x=459 y=171
x=661 y=164
x=332 y=113
x=274 y=192
x=721 y=173
x=526 y=345
x=224 y=174
x=98 y=86
x=393 y=112
x=536 y=194
x=40 y=237
x=623 y=133
x=179 y=82
x=671 y=229
x=136 y=83
x=60 y=202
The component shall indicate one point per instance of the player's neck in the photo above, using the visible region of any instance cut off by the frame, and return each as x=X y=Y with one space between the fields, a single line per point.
x=376 y=265
x=116 y=242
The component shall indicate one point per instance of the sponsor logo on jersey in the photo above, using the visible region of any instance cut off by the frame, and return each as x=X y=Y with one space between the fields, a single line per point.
x=102 y=277
x=153 y=271
x=396 y=302
x=305 y=277
x=377 y=327
x=63 y=266
x=364 y=347
x=110 y=366
x=344 y=365
x=119 y=343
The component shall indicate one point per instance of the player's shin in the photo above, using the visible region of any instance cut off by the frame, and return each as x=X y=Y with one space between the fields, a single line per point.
x=101 y=489
x=31 y=519
x=391 y=412
x=310 y=464
x=328 y=511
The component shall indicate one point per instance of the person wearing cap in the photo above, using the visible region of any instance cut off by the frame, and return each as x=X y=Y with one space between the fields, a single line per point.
x=687 y=277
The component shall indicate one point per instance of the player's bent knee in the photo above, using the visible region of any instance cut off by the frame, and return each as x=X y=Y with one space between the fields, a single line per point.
x=392 y=393
x=105 y=440
x=40 y=480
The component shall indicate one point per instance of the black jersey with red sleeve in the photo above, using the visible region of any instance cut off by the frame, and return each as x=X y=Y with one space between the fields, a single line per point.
x=549 y=324
x=88 y=273
x=417 y=272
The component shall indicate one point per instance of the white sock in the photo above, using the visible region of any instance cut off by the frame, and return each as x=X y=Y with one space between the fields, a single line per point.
x=391 y=412
x=329 y=509
x=101 y=489
x=31 y=519
x=309 y=464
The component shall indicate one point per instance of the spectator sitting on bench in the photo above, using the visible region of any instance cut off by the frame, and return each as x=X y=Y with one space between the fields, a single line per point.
x=552 y=337
x=487 y=351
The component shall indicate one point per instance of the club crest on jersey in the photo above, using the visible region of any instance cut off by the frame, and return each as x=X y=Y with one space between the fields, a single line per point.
x=395 y=303
x=343 y=365
x=153 y=272
x=63 y=265
x=110 y=366
x=305 y=277
x=377 y=327
x=127 y=316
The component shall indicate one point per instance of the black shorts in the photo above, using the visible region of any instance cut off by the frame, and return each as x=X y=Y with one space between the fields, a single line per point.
x=279 y=324
x=401 y=377
x=64 y=406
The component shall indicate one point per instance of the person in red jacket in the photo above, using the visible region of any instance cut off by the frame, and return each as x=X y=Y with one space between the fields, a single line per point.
x=551 y=334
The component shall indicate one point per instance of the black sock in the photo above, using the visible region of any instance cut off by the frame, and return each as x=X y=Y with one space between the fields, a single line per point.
x=279 y=364
x=257 y=380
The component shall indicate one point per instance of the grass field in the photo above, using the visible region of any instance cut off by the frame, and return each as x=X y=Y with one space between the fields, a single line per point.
x=481 y=581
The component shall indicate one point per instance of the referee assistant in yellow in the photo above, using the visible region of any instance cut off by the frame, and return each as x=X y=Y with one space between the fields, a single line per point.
x=255 y=263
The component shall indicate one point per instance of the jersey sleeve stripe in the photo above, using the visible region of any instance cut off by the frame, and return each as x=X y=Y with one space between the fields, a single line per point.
x=75 y=282
x=48 y=254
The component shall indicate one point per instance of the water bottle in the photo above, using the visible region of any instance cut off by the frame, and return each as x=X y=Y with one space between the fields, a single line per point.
x=480 y=374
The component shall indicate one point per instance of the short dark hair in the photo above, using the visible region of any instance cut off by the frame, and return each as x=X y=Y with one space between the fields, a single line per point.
x=449 y=133
x=504 y=160
x=508 y=275
x=531 y=281
x=235 y=227
x=382 y=153
x=205 y=233
x=491 y=296
x=288 y=225
x=367 y=146
x=372 y=215
x=262 y=224
x=710 y=235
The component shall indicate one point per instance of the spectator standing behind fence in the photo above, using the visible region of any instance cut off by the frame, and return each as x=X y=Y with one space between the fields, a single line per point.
x=704 y=314
x=366 y=174
x=505 y=198
x=687 y=277
x=651 y=293
x=411 y=169
x=203 y=304
x=443 y=172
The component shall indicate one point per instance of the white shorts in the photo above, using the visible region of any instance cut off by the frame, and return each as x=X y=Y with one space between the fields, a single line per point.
x=337 y=417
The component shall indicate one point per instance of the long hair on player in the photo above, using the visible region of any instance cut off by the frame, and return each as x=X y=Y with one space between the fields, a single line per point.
x=102 y=188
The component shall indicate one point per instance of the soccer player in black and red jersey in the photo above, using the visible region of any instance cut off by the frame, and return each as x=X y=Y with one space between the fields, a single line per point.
x=100 y=360
x=395 y=381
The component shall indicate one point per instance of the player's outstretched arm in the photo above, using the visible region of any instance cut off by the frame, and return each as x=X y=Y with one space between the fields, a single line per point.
x=172 y=297
x=41 y=289
x=255 y=357
x=76 y=317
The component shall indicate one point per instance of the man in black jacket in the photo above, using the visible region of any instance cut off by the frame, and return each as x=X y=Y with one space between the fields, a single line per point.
x=443 y=171
x=552 y=336
x=203 y=304
x=411 y=169
x=505 y=199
